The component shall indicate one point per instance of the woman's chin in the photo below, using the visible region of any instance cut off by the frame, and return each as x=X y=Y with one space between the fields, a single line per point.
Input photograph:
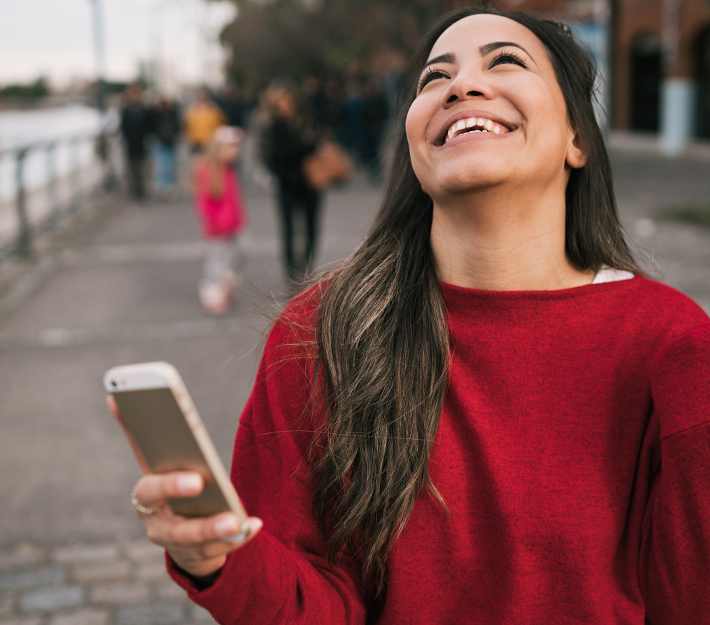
x=461 y=183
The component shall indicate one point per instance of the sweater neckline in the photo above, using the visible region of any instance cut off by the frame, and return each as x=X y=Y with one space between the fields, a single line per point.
x=460 y=293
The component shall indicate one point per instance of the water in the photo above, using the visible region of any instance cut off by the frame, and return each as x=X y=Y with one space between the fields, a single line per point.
x=19 y=128
x=73 y=165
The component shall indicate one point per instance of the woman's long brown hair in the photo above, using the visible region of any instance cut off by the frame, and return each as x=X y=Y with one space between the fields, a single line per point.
x=382 y=338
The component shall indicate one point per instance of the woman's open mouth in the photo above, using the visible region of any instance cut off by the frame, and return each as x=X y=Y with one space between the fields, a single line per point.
x=473 y=124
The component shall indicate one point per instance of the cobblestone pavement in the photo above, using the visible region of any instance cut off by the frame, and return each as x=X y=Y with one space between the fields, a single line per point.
x=110 y=583
x=71 y=550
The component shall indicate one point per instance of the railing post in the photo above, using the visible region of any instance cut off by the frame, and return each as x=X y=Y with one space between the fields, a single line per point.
x=111 y=182
x=52 y=194
x=29 y=223
x=104 y=152
x=24 y=238
x=77 y=194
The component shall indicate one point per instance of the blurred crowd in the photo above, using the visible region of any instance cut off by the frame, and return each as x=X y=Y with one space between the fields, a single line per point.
x=354 y=111
x=153 y=128
x=307 y=136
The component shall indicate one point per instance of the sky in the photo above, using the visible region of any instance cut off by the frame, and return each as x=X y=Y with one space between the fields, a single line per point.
x=55 y=38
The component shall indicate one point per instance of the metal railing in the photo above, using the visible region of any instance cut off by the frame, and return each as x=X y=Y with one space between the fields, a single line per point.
x=48 y=181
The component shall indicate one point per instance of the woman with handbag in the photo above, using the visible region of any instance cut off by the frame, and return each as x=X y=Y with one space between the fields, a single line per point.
x=287 y=143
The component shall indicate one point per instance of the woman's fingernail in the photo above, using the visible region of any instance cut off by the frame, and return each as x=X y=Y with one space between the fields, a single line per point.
x=248 y=528
x=241 y=535
x=226 y=526
x=189 y=483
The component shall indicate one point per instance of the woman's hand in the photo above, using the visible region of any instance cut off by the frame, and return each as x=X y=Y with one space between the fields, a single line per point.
x=199 y=546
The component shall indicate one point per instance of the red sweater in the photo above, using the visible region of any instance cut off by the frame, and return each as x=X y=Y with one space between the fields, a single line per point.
x=573 y=452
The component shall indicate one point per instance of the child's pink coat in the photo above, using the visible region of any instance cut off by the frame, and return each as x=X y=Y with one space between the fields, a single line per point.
x=222 y=217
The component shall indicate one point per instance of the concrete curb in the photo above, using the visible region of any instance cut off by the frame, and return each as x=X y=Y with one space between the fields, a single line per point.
x=650 y=145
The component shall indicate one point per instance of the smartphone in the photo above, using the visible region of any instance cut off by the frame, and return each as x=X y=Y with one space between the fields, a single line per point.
x=167 y=434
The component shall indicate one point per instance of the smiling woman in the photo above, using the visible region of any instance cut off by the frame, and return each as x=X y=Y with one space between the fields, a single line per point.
x=517 y=175
x=487 y=414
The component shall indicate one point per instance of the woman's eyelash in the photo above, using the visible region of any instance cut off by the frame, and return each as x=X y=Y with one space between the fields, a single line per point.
x=431 y=72
x=512 y=56
x=428 y=74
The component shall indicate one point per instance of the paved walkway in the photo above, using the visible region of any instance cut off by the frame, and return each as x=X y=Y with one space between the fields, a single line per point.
x=123 y=290
x=71 y=550
x=118 y=582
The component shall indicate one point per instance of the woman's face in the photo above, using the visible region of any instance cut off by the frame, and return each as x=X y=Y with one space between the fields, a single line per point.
x=488 y=72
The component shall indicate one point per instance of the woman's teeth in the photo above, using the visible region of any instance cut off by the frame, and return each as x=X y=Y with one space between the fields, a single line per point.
x=474 y=124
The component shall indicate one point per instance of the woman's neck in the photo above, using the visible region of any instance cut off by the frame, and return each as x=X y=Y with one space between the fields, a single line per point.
x=497 y=242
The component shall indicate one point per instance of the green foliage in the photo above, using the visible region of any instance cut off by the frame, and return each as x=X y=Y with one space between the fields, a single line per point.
x=115 y=86
x=29 y=92
x=296 y=37
x=695 y=214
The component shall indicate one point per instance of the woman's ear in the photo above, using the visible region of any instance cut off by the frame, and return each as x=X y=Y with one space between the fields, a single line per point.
x=576 y=156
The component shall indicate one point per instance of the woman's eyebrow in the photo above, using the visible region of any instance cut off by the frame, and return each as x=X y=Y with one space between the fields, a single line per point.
x=487 y=48
x=448 y=57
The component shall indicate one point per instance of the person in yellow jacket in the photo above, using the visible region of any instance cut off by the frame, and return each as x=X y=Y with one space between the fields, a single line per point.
x=201 y=121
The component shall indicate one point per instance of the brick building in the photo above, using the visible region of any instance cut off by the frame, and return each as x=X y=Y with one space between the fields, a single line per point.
x=654 y=56
x=662 y=66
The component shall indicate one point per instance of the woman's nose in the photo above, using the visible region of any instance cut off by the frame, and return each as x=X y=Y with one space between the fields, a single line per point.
x=466 y=86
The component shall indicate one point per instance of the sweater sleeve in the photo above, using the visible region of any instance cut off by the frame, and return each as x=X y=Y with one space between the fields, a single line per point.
x=675 y=546
x=282 y=575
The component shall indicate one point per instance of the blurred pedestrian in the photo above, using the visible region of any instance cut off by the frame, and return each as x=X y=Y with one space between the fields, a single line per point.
x=220 y=207
x=355 y=120
x=235 y=109
x=375 y=119
x=135 y=127
x=201 y=121
x=315 y=101
x=334 y=118
x=233 y=105
x=288 y=140
x=167 y=129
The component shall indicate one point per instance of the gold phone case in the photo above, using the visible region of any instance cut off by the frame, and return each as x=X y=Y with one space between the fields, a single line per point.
x=167 y=434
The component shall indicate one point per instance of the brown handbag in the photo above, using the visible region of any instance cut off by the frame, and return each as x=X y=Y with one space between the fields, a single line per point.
x=327 y=166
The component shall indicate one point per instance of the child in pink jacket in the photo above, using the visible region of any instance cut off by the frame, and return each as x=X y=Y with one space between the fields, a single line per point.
x=219 y=205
